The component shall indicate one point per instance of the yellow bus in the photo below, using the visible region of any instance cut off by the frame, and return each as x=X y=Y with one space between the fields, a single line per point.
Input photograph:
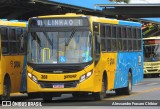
x=82 y=55
x=11 y=57
x=152 y=56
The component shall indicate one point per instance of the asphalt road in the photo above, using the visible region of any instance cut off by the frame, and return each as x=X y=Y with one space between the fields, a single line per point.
x=147 y=90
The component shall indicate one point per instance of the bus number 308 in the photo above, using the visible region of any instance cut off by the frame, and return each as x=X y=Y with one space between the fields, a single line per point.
x=44 y=76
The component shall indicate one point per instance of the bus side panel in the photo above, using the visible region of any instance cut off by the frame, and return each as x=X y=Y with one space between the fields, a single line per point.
x=1 y=78
x=0 y=69
x=126 y=61
x=108 y=64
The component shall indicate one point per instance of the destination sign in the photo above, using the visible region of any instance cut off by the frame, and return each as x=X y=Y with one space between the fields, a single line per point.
x=147 y=42
x=58 y=22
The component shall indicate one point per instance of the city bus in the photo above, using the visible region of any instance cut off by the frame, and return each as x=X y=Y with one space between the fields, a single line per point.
x=82 y=55
x=152 y=56
x=11 y=57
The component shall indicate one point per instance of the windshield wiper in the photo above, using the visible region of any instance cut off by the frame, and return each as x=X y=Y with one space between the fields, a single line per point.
x=71 y=36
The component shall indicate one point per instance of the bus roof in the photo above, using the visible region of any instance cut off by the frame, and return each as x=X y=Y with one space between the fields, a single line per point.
x=94 y=18
x=121 y=22
x=13 y=23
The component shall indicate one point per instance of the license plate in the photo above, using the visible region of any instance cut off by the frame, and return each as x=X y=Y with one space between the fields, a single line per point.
x=58 y=86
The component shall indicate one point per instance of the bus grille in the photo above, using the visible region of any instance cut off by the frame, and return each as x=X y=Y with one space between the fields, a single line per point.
x=67 y=84
x=153 y=70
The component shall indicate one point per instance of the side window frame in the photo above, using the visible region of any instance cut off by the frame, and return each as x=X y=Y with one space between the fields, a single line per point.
x=12 y=41
x=4 y=41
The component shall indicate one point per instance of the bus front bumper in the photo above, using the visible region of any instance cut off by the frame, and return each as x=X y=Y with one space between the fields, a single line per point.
x=61 y=86
x=151 y=71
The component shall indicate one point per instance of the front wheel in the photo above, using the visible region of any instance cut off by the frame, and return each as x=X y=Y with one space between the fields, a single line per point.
x=101 y=95
x=6 y=90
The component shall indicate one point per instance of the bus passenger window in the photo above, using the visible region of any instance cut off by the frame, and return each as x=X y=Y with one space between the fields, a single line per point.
x=119 y=44
x=129 y=45
x=139 y=45
x=4 y=34
x=124 y=33
x=114 y=45
x=129 y=33
x=5 y=47
x=103 y=43
x=134 y=44
x=118 y=32
x=134 y=33
x=113 y=31
x=108 y=31
x=138 y=33
x=108 y=44
x=13 y=41
x=124 y=45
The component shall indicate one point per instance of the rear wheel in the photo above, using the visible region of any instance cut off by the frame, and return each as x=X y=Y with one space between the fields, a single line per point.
x=126 y=90
x=101 y=95
x=6 y=89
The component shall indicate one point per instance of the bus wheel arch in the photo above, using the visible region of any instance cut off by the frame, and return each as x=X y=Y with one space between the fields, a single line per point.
x=105 y=76
x=6 y=88
x=102 y=94
x=126 y=90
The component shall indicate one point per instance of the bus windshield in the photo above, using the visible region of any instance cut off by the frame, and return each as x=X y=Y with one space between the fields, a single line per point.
x=152 y=52
x=59 y=47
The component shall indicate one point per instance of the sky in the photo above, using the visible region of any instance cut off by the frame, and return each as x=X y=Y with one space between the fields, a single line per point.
x=84 y=3
x=90 y=4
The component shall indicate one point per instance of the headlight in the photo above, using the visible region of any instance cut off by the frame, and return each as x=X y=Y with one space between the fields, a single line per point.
x=85 y=76
x=33 y=77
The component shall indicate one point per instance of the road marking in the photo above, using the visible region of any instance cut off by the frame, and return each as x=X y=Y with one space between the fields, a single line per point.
x=125 y=96
x=152 y=84
x=139 y=84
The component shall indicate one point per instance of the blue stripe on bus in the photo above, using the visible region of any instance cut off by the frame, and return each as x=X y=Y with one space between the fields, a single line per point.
x=23 y=87
x=26 y=24
x=125 y=61
x=121 y=22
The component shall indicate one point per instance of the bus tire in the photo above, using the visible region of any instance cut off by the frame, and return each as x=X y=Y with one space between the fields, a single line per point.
x=119 y=91
x=47 y=97
x=101 y=95
x=126 y=90
x=6 y=89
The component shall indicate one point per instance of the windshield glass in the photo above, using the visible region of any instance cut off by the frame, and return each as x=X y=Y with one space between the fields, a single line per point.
x=59 y=47
x=152 y=53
